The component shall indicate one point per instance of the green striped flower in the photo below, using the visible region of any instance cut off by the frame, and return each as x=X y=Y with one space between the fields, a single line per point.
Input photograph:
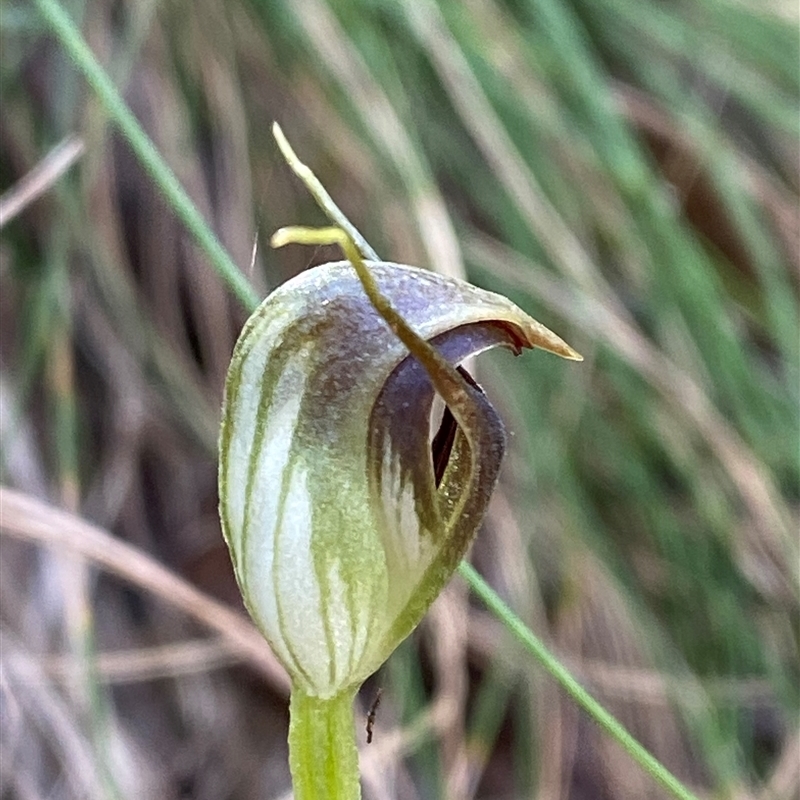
x=344 y=520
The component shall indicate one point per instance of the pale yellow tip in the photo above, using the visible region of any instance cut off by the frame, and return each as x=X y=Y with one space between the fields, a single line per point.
x=281 y=237
x=277 y=133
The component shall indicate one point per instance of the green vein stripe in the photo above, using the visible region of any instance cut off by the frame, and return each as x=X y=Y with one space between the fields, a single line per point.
x=232 y=389
x=324 y=597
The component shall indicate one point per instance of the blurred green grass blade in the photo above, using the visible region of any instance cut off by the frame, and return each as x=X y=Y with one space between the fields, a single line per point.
x=607 y=722
x=701 y=43
x=151 y=160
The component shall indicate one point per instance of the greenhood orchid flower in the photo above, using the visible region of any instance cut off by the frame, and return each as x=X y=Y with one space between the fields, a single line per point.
x=343 y=520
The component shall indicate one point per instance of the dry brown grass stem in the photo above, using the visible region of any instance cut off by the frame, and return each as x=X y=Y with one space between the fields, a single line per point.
x=27 y=518
x=40 y=179
x=148 y=663
x=30 y=701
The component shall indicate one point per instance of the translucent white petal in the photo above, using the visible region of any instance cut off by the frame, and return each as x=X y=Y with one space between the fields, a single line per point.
x=299 y=603
x=256 y=540
x=409 y=550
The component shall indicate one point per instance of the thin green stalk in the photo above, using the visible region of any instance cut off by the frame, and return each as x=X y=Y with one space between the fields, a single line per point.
x=158 y=169
x=323 y=757
x=314 y=723
x=539 y=650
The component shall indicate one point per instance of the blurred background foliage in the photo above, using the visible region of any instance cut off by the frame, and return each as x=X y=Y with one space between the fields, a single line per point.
x=626 y=171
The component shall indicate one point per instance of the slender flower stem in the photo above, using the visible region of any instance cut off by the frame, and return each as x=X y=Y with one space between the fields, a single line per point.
x=322 y=749
x=77 y=49
x=606 y=721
